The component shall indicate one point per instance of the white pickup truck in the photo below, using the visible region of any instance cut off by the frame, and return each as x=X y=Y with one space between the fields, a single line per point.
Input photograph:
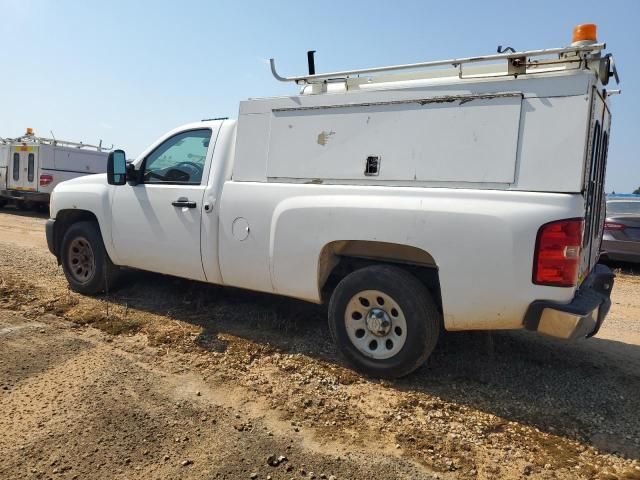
x=411 y=198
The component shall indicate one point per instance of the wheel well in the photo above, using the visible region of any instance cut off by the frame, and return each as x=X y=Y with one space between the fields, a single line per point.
x=339 y=259
x=66 y=218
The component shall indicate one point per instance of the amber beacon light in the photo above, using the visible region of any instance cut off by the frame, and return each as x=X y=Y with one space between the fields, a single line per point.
x=585 y=33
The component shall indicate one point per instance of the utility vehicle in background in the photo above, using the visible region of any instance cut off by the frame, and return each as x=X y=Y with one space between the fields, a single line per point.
x=463 y=194
x=31 y=167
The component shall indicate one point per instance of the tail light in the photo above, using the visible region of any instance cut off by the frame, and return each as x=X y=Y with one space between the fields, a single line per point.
x=557 y=256
x=45 y=180
x=613 y=226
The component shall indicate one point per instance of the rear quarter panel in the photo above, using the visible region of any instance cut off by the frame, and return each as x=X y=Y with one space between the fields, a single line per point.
x=482 y=240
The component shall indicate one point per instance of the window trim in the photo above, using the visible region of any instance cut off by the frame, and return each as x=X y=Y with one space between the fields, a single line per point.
x=591 y=185
x=143 y=166
x=601 y=172
x=31 y=167
x=16 y=167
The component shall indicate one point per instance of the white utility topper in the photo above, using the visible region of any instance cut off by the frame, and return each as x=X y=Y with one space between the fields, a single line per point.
x=462 y=194
x=31 y=166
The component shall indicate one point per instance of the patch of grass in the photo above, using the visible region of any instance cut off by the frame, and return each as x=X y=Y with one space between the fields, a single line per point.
x=15 y=293
x=21 y=295
x=61 y=305
x=631 y=474
x=556 y=451
x=111 y=324
x=158 y=337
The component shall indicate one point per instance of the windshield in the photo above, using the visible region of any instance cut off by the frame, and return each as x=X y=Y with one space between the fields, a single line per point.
x=621 y=208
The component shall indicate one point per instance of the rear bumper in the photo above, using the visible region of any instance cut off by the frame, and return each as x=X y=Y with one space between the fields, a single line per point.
x=26 y=195
x=580 y=318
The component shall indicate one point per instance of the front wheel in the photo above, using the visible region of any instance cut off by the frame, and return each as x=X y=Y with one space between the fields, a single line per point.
x=85 y=262
x=384 y=321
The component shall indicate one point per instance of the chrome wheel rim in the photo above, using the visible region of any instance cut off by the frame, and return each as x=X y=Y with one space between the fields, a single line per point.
x=80 y=260
x=375 y=324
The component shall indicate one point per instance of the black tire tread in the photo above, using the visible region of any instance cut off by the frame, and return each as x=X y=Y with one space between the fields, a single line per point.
x=106 y=272
x=425 y=308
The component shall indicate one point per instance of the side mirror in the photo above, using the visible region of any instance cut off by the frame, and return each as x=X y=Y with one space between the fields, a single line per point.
x=117 y=168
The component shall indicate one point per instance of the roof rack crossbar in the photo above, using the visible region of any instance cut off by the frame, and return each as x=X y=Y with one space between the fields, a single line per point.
x=53 y=141
x=596 y=47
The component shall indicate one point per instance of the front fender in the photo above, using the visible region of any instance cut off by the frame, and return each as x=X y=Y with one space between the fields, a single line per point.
x=94 y=197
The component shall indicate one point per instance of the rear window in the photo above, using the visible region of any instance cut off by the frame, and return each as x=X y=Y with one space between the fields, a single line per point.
x=621 y=208
x=30 y=167
x=16 y=166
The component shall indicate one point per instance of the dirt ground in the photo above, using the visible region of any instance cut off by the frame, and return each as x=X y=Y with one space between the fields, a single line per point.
x=167 y=378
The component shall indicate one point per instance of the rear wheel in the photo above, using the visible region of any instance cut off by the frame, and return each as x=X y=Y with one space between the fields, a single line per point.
x=85 y=262
x=384 y=321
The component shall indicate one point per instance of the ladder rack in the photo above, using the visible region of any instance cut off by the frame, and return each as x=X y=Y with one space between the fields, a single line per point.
x=60 y=143
x=515 y=60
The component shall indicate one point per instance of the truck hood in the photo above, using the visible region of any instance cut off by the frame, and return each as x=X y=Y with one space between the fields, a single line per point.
x=95 y=179
x=90 y=193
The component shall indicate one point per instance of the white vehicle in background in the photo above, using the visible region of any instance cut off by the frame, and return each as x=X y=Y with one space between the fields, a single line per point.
x=31 y=167
x=468 y=197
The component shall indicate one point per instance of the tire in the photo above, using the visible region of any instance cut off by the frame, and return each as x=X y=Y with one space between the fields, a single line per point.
x=85 y=262
x=405 y=333
x=3 y=202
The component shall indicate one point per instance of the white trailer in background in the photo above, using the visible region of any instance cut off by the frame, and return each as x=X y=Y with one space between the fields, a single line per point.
x=30 y=166
x=4 y=161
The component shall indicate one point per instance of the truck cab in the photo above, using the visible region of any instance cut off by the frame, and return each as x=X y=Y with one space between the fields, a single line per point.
x=172 y=199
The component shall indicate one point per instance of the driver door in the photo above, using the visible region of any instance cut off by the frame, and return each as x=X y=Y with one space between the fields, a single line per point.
x=156 y=223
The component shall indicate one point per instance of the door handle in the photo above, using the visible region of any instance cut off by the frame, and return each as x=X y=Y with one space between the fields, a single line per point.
x=183 y=202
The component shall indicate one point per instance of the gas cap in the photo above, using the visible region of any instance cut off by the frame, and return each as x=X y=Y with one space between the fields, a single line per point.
x=240 y=229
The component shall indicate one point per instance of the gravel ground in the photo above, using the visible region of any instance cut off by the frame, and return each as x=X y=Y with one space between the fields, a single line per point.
x=166 y=378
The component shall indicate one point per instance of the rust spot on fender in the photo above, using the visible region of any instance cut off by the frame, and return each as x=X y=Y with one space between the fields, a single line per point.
x=323 y=137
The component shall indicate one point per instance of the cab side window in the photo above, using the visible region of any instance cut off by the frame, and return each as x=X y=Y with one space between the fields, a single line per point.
x=179 y=159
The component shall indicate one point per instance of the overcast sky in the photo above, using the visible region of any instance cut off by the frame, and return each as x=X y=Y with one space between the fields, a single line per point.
x=127 y=71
